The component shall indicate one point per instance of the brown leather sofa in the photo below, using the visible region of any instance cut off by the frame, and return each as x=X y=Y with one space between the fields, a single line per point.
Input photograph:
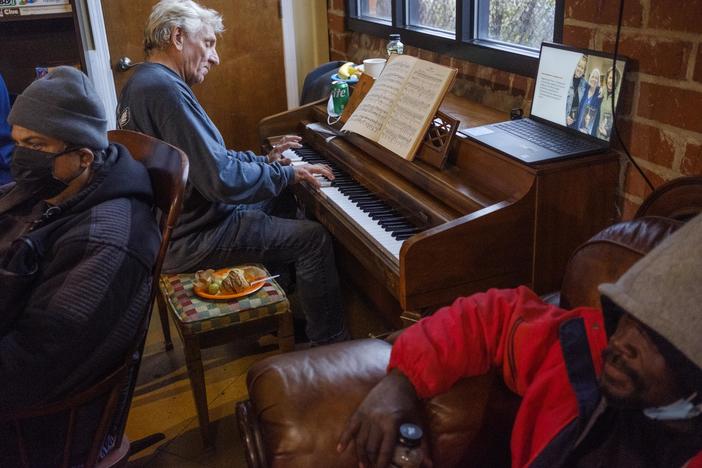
x=299 y=402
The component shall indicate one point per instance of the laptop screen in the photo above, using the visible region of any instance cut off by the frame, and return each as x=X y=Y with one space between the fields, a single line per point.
x=574 y=89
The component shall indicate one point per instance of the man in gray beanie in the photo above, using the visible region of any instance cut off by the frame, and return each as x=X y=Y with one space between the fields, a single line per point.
x=627 y=397
x=78 y=241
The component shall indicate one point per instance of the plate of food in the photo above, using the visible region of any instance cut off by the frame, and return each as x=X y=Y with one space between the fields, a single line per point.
x=228 y=283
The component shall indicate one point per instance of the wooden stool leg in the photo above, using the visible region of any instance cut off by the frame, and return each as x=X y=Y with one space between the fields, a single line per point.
x=196 y=372
x=163 y=313
x=286 y=333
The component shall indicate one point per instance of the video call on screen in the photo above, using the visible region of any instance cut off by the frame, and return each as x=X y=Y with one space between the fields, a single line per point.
x=575 y=90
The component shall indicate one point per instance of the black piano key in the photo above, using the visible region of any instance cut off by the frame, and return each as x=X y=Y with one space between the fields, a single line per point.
x=387 y=217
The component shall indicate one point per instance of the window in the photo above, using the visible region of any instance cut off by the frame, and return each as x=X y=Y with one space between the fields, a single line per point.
x=504 y=34
x=380 y=9
x=439 y=15
x=525 y=23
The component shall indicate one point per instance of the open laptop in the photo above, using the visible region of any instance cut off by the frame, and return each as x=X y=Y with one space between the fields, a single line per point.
x=569 y=115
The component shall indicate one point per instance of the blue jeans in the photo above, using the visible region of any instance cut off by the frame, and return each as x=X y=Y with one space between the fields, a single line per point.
x=271 y=233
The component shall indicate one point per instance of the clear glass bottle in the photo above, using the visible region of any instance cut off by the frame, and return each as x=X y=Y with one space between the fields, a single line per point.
x=395 y=45
x=408 y=452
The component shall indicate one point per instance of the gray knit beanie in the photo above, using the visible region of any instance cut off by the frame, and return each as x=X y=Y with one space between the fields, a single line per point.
x=63 y=105
x=663 y=290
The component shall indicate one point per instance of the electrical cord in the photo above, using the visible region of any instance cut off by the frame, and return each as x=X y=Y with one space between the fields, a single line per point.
x=614 y=87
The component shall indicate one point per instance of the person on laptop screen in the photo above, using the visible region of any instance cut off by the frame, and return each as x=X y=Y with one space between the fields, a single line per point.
x=589 y=112
x=577 y=90
x=604 y=124
x=568 y=115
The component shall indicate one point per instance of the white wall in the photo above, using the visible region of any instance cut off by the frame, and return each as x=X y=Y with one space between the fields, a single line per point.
x=97 y=54
x=306 y=42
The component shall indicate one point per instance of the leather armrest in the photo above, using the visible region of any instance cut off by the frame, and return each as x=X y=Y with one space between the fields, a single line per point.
x=302 y=401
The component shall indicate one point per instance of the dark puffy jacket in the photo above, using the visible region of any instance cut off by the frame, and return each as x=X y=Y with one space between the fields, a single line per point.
x=74 y=286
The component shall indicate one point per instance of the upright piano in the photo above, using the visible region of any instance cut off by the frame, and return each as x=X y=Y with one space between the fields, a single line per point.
x=484 y=220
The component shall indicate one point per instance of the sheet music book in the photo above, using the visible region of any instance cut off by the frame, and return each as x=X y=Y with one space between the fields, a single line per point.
x=398 y=109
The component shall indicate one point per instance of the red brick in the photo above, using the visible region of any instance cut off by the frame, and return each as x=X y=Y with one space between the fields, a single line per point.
x=604 y=11
x=698 y=65
x=647 y=142
x=339 y=41
x=635 y=185
x=577 y=36
x=629 y=209
x=428 y=55
x=676 y=15
x=520 y=85
x=468 y=69
x=500 y=80
x=626 y=99
x=692 y=161
x=655 y=56
x=446 y=60
x=411 y=50
x=337 y=5
x=674 y=106
x=337 y=56
x=336 y=23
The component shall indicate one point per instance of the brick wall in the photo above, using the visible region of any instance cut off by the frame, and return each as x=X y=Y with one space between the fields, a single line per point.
x=660 y=114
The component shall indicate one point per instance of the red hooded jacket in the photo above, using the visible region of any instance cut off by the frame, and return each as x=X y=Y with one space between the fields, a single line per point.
x=549 y=356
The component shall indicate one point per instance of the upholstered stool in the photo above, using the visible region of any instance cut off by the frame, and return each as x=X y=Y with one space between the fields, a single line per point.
x=205 y=323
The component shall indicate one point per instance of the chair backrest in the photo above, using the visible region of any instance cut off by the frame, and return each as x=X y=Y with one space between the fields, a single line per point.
x=679 y=199
x=316 y=85
x=168 y=169
x=608 y=255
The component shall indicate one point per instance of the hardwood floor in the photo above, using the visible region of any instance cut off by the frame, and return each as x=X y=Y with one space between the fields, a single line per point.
x=163 y=401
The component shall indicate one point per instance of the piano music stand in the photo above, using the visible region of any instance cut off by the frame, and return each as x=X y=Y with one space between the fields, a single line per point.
x=437 y=140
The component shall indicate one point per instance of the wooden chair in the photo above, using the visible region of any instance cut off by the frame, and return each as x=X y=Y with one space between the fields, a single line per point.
x=168 y=170
x=203 y=324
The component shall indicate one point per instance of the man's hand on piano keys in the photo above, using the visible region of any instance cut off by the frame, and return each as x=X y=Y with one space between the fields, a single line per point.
x=312 y=173
x=285 y=143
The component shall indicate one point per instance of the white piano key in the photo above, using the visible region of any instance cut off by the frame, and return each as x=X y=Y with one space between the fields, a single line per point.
x=363 y=221
x=323 y=181
x=291 y=155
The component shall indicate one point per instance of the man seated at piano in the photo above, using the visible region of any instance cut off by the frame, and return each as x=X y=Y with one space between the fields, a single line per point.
x=236 y=207
x=617 y=388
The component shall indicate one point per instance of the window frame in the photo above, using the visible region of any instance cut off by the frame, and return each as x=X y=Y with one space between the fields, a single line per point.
x=506 y=57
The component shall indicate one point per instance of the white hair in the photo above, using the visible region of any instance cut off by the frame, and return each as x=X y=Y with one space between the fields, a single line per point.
x=185 y=14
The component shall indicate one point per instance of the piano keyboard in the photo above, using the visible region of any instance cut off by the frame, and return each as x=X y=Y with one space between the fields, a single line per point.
x=370 y=214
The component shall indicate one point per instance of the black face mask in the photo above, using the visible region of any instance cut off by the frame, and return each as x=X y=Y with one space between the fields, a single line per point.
x=33 y=170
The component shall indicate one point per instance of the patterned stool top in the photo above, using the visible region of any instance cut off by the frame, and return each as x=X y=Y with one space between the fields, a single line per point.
x=198 y=315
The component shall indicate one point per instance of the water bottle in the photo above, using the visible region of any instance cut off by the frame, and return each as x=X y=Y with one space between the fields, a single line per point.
x=408 y=453
x=395 y=46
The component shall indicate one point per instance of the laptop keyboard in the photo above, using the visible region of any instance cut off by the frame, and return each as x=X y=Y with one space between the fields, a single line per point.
x=542 y=135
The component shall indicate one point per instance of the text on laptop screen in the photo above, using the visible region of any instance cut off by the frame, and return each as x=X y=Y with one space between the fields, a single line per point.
x=574 y=89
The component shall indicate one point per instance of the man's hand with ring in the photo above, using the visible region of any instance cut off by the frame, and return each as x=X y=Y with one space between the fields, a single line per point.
x=285 y=143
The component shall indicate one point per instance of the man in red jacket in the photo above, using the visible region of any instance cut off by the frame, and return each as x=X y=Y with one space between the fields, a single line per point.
x=612 y=389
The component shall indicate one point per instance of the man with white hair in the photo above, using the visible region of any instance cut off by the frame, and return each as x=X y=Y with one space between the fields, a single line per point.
x=236 y=207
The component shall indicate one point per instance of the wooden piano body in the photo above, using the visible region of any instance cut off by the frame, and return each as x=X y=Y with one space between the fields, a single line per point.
x=488 y=220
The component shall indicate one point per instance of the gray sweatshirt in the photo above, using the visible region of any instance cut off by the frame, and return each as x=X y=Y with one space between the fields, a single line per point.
x=156 y=101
